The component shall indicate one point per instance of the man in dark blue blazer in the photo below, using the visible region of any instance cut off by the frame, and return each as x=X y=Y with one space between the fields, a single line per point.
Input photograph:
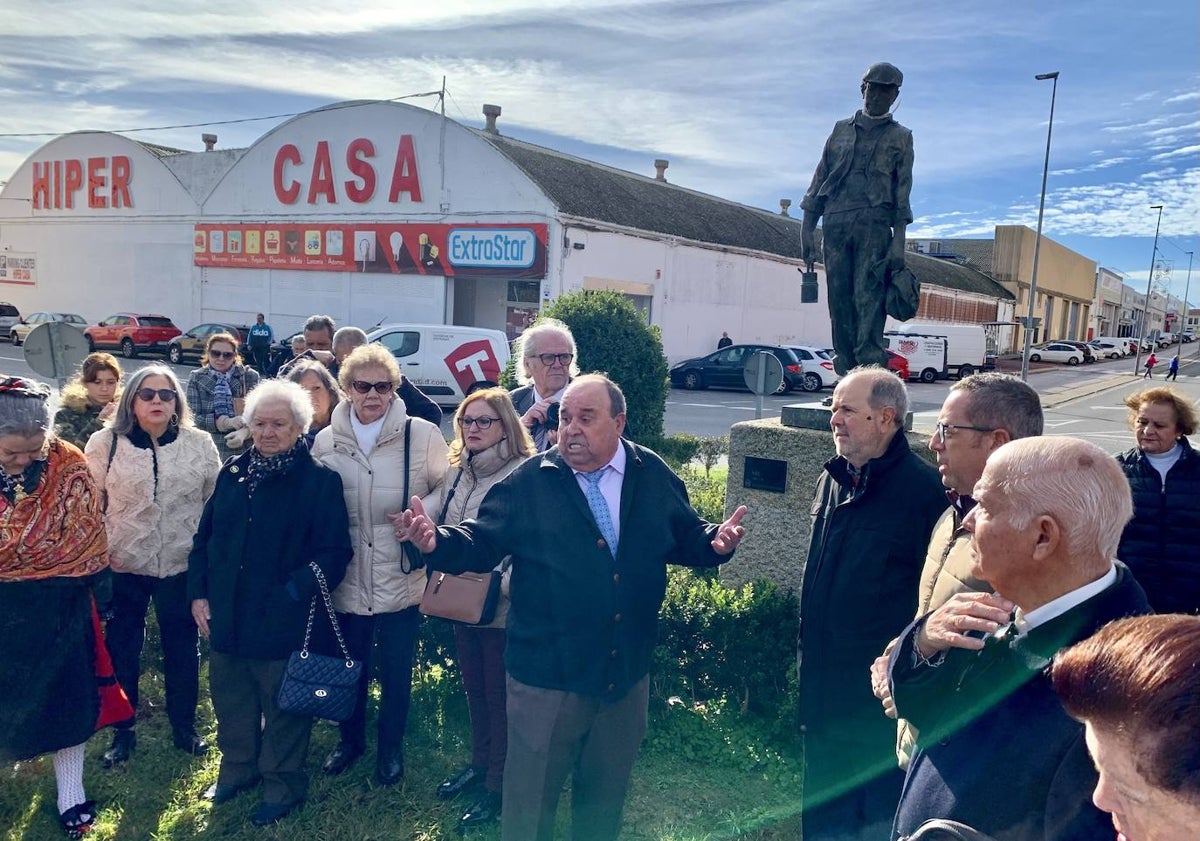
x=996 y=751
x=591 y=526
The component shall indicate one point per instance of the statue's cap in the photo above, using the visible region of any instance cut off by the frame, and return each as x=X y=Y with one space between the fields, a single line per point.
x=883 y=73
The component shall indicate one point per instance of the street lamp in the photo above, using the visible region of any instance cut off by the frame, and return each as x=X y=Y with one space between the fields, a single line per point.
x=1137 y=357
x=1037 y=242
x=1186 y=288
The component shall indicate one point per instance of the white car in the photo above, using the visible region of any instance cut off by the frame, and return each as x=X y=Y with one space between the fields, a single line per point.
x=1110 y=350
x=24 y=327
x=817 y=367
x=1056 y=352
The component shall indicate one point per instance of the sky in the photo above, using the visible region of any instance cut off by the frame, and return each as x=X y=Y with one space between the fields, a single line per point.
x=738 y=96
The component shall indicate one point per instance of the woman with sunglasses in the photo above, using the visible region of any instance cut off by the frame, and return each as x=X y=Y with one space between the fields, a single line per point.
x=155 y=470
x=89 y=399
x=217 y=390
x=384 y=457
x=489 y=442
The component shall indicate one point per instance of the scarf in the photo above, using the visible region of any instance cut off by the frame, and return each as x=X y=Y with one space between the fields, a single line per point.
x=222 y=394
x=56 y=529
x=262 y=467
x=16 y=488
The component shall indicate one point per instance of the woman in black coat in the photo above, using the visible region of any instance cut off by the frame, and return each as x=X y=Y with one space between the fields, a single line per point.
x=250 y=581
x=1160 y=543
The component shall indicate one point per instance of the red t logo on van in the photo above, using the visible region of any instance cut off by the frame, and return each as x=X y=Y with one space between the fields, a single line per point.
x=473 y=362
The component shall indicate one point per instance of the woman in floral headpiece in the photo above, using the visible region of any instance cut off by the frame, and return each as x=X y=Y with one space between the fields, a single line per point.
x=53 y=664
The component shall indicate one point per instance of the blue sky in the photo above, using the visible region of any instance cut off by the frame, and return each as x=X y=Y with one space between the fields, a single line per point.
x=739 y=96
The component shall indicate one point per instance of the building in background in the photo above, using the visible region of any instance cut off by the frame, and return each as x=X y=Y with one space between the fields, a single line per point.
x=1106 y=306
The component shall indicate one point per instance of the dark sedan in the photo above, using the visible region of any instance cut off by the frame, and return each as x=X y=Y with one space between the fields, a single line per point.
x=723 y=368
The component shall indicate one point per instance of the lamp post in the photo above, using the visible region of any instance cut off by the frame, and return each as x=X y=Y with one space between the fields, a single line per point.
x=1137 y=357
x=1186 y=288
x=1037 y=242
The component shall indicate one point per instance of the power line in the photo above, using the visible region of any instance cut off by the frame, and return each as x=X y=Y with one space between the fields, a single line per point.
x=222 y=122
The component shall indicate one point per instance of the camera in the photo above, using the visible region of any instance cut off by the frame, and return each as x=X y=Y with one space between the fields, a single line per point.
x=551 y=416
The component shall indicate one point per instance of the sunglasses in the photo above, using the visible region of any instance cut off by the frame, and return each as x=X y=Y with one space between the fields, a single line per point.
x=222 y=354
x=166 y=395
x=364 y=387
x=482 y=423
x=549 y=359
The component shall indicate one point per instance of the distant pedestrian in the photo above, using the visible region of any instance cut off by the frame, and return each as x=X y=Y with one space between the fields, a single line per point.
x=724 y=341
x=260 y=337
x=1151 y=361
x=1173 y=368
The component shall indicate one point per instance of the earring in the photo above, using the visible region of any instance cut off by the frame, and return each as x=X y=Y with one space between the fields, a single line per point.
x=174 y=421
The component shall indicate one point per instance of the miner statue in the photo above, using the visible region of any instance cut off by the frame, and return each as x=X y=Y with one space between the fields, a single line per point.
x=861 y=188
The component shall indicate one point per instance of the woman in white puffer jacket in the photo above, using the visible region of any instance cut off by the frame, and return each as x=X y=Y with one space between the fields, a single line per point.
x=156 y=470
x=369 y=441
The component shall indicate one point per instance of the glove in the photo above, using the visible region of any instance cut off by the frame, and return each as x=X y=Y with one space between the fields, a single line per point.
x=230 y=423
x=238 y=438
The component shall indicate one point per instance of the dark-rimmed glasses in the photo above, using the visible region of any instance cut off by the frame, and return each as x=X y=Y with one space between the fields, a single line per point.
x=364 y=387
x=943 y=429
x=166 y=395
x=222 y=354
x=481 y=422
x=548 y=359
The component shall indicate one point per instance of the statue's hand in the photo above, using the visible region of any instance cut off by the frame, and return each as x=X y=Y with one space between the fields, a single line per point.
x=807 y=247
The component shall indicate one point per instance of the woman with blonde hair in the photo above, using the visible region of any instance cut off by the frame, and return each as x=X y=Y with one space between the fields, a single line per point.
x=89 y=399
x=155 y=470
x=490 y=441
x=217 y=390
x=384 y=458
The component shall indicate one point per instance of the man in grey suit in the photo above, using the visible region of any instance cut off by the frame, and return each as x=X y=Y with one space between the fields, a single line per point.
x=590 y=526
x=545 y=364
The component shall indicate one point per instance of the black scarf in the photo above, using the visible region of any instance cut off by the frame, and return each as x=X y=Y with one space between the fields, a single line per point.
x=262 y=467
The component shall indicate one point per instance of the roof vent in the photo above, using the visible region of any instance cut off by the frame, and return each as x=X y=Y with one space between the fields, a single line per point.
x=784 y=204
x=660 y=169
x=490 y=113
x=209 y=140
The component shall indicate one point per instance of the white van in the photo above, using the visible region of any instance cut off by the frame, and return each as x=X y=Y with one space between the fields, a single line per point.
x=445 y=361
x=966 y=344
x=926 y=355
x=1111 y=347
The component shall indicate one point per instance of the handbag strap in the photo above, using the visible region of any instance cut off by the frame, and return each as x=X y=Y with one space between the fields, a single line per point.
x=312 y=609
x=441 y=518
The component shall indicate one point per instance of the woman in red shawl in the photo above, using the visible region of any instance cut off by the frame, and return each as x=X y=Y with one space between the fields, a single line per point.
x=52 y=547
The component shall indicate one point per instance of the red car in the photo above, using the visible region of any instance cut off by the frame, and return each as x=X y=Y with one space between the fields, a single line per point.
x=132 y=333
x=898 y=364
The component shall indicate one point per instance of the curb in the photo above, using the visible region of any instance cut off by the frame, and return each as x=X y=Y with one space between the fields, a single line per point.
x=1052 y=400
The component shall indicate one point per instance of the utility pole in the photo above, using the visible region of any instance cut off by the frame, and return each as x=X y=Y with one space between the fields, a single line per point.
x=1137 y=358
x=1037 y=243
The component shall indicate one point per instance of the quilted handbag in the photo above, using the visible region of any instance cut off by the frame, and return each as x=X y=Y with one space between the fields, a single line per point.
x=316 y=684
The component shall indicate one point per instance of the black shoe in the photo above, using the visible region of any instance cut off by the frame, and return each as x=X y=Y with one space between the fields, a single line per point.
x=189 y=742
x=464 y=780
x=123 y=743
x=389 y=768
x=77 y=821
x=269 y=813
x=219 y=793
x=341 y=758
x=485 y=810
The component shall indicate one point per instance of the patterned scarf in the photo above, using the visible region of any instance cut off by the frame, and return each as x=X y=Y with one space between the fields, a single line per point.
x=16 y=488
x=222 y=394
x=262 y=467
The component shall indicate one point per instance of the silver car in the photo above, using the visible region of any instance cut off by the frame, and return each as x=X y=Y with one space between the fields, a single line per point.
x=19 y=331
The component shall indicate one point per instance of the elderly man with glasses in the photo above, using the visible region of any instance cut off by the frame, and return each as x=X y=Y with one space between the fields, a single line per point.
x=545 y=365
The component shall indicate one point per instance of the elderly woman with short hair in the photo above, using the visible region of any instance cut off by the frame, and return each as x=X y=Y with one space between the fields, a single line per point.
x=217 y=390
x=371 y=442
x=155 y=470
x=250 y=581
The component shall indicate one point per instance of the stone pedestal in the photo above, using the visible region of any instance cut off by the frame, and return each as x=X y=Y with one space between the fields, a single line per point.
x=778 y=524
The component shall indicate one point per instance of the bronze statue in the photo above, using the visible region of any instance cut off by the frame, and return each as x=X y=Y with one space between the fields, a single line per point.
x=861 y=188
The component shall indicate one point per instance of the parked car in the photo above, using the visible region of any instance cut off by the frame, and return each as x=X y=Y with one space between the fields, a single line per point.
x=1187 y=337
x=132 y=333
x=898 y=364
x=723 y=368
x=1089 y=353
x=1056 y=352
x=10 y=316
x=189 y=345
x=1109 y=349
x=817 y=365
x=24 y=327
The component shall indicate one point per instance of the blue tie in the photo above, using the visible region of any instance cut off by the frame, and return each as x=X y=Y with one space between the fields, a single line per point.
x=599 y=506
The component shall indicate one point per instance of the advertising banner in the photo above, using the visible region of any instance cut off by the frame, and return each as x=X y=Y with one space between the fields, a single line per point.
x=18 y=268
x=381 y=248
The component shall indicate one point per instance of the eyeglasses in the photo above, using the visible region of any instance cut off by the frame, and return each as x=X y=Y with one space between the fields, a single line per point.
x=222 y=354
x=943 y=429
x=364 y=387
x=166 y=395
x=482 y=422
x=548 y=359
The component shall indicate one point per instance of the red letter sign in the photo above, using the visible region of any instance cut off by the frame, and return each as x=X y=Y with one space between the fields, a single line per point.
x=286 y=154
x=404 y=176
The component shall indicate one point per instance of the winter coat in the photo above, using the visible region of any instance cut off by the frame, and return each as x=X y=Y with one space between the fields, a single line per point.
x=77 y=419
x=467 y=485
x=1161 y=544
x=249 y=551
x=380 y=578
x=156 y=494
x=200 y=385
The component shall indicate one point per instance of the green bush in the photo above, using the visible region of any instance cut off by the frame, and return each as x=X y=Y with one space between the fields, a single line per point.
x=735 y=645
x=676 y=450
